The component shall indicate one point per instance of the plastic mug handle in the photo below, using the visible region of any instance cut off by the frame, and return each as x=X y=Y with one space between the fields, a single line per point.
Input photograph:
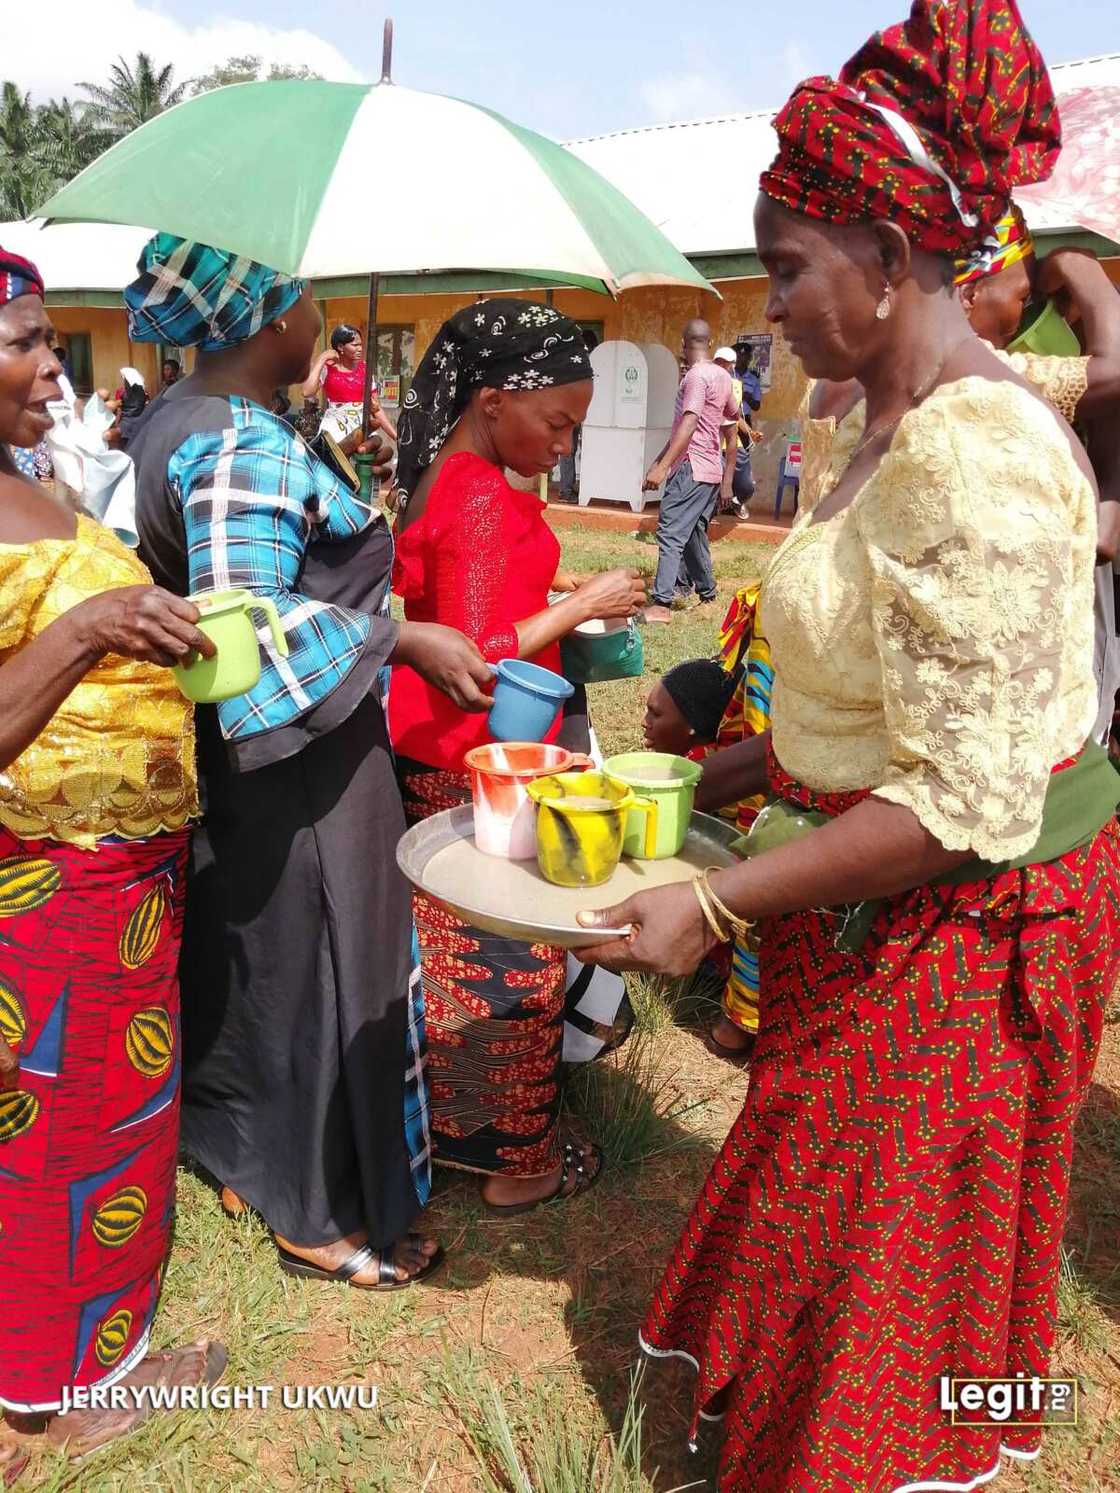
x=648 y=807
x=268 y=607
x=580 y=762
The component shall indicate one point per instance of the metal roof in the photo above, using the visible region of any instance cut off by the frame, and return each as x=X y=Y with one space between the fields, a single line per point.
x=678 y=173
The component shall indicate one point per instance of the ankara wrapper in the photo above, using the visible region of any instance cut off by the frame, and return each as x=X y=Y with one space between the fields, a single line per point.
x=889 y=1206
x=89 y=1002
x=494 y=1011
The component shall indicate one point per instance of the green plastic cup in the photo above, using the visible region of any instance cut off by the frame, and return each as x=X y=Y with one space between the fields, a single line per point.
x=1047 y=332
x=671 y=783
x=235 y=668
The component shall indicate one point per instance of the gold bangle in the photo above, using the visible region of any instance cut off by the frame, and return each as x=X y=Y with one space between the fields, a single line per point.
x=709 y=915
x=741 y=926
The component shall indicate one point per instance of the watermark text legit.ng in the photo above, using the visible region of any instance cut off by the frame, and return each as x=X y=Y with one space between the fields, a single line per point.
x=1024 y=1401
x=218 y=1397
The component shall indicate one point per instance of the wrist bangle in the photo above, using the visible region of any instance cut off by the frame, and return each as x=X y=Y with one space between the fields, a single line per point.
x=739 y=926
x=705 y=908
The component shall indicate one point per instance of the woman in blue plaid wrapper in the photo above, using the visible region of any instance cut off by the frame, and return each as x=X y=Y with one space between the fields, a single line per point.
x=304 y=1088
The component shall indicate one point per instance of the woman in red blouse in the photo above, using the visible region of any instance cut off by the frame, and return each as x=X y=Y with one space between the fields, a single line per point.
x=504 y=384
x=341 y=374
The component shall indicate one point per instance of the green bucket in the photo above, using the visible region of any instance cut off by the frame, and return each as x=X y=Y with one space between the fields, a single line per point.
x=671 y=783
x=599 y=651
x=1044 y=330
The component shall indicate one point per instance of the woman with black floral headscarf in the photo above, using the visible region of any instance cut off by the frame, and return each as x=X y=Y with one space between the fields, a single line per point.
x=504 y=384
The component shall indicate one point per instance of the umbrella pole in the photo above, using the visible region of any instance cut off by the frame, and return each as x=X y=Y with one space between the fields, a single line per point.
x=371 y=350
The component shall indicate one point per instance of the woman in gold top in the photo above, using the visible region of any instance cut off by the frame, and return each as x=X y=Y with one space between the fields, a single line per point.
x=886 y=1214
x=97 y=790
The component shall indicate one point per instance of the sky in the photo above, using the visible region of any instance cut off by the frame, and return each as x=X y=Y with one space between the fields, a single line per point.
x=568 y=69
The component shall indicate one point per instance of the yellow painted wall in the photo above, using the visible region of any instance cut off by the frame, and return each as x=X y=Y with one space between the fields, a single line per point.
x=108 y=332
x=653 y=314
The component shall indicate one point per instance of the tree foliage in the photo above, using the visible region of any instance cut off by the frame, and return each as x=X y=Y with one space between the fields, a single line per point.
x=248 y=69
x=42 y=146
x=135 y=93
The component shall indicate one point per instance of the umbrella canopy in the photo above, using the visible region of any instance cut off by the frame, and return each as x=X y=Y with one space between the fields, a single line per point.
x=1085 y=186
x=284 y=173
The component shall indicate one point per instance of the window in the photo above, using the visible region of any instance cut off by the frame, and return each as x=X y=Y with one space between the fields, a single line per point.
x=77 y=355
x=395 y=362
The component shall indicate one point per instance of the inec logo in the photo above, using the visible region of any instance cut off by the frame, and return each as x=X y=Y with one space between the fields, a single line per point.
x=631 y=375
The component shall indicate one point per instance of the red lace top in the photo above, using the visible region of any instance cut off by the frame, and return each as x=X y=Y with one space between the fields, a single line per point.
x=346 y=385
x=480 y=558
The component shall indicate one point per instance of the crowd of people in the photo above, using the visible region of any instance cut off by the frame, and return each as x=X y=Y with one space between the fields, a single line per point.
x=204 y=927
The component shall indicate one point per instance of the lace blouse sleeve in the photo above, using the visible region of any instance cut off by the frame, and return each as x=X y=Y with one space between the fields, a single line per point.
x=1062 y=381
x=977 y=536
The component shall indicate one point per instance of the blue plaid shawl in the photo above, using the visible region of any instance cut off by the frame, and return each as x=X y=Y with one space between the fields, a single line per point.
x=253 y=497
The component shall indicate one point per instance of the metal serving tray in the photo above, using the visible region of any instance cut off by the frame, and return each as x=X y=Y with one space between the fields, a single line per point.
x=512 y=898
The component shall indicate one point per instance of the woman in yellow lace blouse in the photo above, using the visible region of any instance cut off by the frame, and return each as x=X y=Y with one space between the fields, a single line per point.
x=97 y=747
x=938 y=946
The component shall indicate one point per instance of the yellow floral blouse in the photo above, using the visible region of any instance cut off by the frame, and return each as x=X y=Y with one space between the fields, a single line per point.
x=827 y=446
x=117 y=758
x=933 y=641
x=826 y=449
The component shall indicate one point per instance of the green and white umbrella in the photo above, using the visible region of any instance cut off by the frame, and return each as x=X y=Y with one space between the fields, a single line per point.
x=291 y=173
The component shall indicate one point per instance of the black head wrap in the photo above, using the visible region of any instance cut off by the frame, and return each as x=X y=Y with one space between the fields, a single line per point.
x=498 y=344
x=701 y=690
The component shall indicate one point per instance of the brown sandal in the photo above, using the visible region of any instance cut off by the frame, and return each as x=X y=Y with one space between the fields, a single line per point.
x=738 y=1057
x=82 y=1432
x=14 y=1457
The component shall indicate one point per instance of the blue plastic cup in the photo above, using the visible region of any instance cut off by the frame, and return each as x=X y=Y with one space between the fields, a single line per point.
x=527 y=699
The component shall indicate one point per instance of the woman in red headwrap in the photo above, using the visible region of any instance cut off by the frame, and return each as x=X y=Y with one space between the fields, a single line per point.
x=886 y=1213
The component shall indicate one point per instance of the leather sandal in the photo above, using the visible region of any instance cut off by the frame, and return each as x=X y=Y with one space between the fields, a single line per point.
x=83 y=1432
x=572 y=1169
x=363 y=1256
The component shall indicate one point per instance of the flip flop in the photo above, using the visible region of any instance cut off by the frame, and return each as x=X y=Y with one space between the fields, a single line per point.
x=364 y=1255
x=738 y=1057
x=571 y=1163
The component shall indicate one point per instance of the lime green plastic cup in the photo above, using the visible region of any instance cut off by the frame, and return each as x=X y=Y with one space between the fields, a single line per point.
x=227 y=621
x=671 y=783
x=1046 y=332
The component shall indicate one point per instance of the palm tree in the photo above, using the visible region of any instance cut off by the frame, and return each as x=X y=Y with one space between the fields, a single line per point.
x=134 y=95
x=68 y=139
x=21 y=174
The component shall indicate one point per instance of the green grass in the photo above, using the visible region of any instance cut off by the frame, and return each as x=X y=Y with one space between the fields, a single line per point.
x=617 y=708
x=513 y=1371
x=632 y=1102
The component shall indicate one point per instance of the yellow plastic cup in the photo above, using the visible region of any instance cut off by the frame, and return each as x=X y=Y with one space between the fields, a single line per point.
x=581 y=823
x=236 y=666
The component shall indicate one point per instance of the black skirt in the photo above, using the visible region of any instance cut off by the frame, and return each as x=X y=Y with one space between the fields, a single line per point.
x=302 y=1017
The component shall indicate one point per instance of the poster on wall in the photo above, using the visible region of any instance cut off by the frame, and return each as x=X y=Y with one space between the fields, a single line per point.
x=761 y=345
x=391 y=389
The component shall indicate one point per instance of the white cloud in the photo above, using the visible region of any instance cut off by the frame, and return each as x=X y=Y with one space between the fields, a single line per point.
x=700 y=88
x=794 y=66
x=690 y=94
x=86 y=37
